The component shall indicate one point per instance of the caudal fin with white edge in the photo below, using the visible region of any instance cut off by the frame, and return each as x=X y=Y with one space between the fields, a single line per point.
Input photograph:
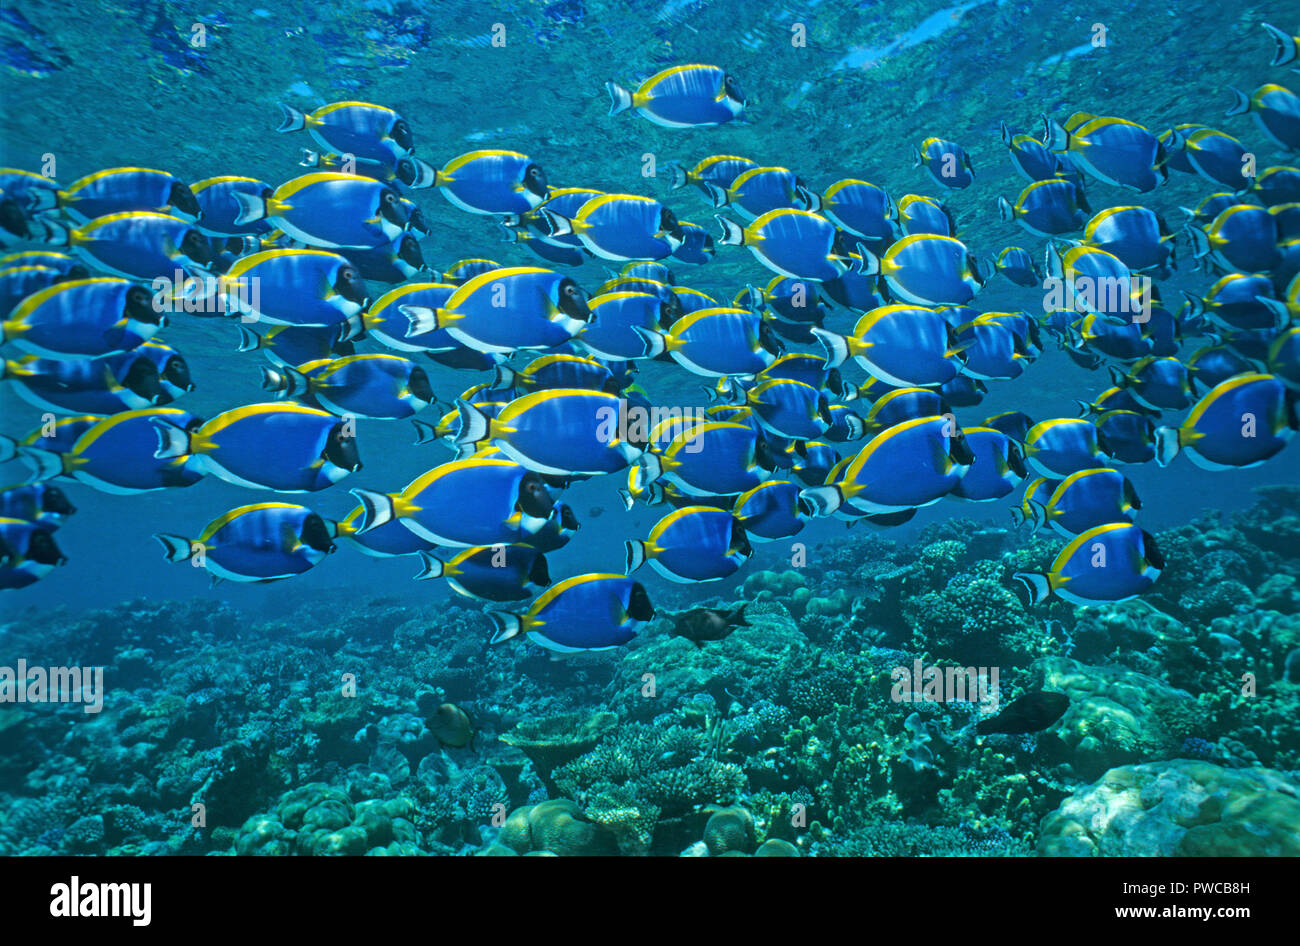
x=293 y=119
x=431 y=567
x=176 y=548
x=620 y=99
x=508 y=625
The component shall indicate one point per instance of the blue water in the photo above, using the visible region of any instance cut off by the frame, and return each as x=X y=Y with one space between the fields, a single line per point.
x=95 y=87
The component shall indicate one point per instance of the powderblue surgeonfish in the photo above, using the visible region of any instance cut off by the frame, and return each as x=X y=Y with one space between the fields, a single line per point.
x=295 y=287
x=717 y=169
x=1113 y=562
x=901 y=345
x=1129 y=436
x=283 y=446
x=1136 y=236
x=919 y=215
x=717 y=342
x=862 y=209
x=27 y=553
x=1241 y=422
x=909 y=465
x=1113 y=150
x=1085 y=500
x=1015 y=263
x=794 y=243
x=1241 y=239
x=716 y=458
x=1276 y=110
x=367 y=132
x=1159 y=384
x=621 y=227
x=947 y=162
x=586 y=612
x=691 y=96
x=84 y=318
x=491 y=573
x=121 y=190
x=116 y=455
x=1060 y=446
x=1030 y=156
x=44 y=504
x=505 y=310
x=462 y=503
x=136 y=245
x=256 y=543
x=691 y=544
x=997 y=468
x=760 y=190
x=376 y=386
x=493 y=182
x=386 y=541
x=329 y=210
x=770 y=511
x=927 y=269
x=790 y=408
x=1047 y=208
x=560 y=432
x=107 y=385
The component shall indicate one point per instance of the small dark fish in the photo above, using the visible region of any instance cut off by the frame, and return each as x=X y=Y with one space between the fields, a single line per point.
x=708 y=624
x=1032 y=712
x=452 y=726
x=595 y=511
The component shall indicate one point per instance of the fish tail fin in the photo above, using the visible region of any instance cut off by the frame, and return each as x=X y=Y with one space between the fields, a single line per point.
x=1278 y=308
x=422 y=319
x=738 y=618
x=422 y=174
x=293 y=119
x=53 y=233
x=918 y=159
x=252 y=207
x=1005 y=130
x=1084 y=408
x=44 y=464
x=1037 y=516
x=554 y=224
x=628 y=500
x=635 y=554
x=620 y=99
x=1196 y=305
x=376 y=509
x=1240 y=102
x=509 y=624
x=430 y=567
x=1288 y=48
x=424 y=432
x=1055 y=137
x=505 y=377
x=1035 y=587
x=8 y=448
x=1168 y=443
x=856 y=425
x=176 y=548
x=653 y=466
x=656 y=343
x=835 y=345
x=1005 y=210
x=509 y=235
x=284 y=381
x=173 y=441
x=474 y=424
x=820 y=501
x=733 y=234
x=1199 y=239
x=717 y=195
x=676 y=176
x=313 y=159
x=870 y=264
x=248 y=339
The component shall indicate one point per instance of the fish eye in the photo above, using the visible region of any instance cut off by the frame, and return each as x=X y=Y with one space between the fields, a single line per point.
x=401 y=134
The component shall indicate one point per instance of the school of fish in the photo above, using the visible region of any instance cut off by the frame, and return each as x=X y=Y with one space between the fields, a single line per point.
x=325 y=276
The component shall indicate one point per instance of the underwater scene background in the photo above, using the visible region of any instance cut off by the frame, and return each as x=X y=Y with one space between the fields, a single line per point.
x=351 y=710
